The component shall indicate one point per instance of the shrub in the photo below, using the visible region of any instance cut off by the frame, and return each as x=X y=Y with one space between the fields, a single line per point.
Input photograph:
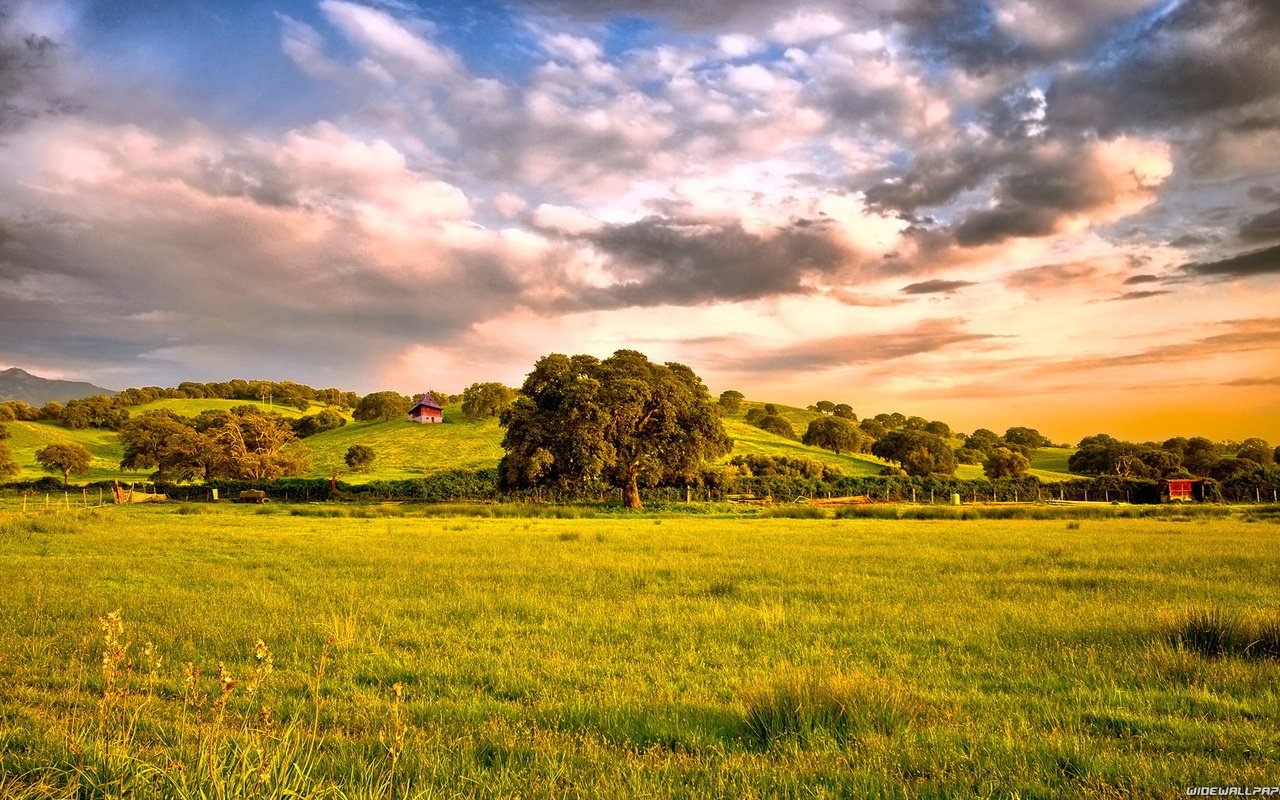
x=777 y=425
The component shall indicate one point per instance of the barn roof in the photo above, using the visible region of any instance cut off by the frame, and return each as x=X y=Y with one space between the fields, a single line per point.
x=429 y=401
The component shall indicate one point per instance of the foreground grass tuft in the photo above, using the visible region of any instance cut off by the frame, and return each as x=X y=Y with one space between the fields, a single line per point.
x=807 y=707
x=1215 y=632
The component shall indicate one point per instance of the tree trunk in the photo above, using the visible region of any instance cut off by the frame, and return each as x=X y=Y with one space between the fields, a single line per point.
x=631 y=490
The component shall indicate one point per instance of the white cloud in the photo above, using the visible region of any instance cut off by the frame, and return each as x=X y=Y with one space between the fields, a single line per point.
x=805 y=26
x=391 y=39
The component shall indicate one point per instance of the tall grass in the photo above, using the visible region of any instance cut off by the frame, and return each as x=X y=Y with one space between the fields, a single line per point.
x=1218 y=632
x=805 y=707
x=625 y=656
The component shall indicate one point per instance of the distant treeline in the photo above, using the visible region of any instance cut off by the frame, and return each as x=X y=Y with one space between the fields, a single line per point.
x=110 y=413
x=482 y=485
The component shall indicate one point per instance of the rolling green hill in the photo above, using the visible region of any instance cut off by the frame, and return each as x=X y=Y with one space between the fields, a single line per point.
x=1051 y=463
x=191 y=408
x=408 y=450
x=28 y=437
x=25 y=438
x=748 y=439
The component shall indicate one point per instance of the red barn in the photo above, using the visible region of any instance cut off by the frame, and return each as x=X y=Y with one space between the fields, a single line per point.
x=427 y=410
x=1182 y=489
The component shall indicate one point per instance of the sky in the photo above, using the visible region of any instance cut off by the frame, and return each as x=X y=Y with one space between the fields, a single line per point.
x=1056 y=213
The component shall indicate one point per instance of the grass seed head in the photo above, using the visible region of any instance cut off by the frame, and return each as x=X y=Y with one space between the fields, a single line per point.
x=225 y=680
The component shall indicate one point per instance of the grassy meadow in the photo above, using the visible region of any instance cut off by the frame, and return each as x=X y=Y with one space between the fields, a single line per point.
x=409 y=450
x=625 y=656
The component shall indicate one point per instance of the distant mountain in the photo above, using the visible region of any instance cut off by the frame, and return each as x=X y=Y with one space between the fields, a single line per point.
x=18 y=384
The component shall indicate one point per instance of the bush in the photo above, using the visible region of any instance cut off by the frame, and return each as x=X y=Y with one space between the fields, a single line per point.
x=776 y=425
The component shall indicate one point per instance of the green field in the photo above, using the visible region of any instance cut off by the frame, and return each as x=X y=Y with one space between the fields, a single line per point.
x=626 y=657
x=191 y=407
x=25 y=438
x=410 y=450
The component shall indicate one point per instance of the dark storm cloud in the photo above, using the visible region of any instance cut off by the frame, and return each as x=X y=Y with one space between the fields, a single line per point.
x=1139 y=295
x=1262 y=228
x=926 y=337
x=935 y=179
x=997 y=224
x=960 y=32
x=1200 y=58
x=683 y=262
x=28 y=87
x=1244 y=265
x=1191 y=240
x=1134 y=280
x=935 y=287
x=1264 y=194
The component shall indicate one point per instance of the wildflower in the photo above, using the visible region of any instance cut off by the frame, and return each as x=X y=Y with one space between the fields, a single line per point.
x=263 y=656
x=225 y=680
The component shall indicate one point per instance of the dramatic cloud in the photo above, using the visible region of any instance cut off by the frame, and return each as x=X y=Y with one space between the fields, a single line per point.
x=935 y=287
x=864 y=348
x=1135 y=280
x=662 y=261
x=1262 y=228
x=1246 y=265
x=1140 y=295
x=365 y=192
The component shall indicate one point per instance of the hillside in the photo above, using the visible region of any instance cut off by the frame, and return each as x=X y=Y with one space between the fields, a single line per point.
x=18 y=384
x=25 y=438
x=28 y=437
x=409 y=450
x=192 y=407
x=748 y=439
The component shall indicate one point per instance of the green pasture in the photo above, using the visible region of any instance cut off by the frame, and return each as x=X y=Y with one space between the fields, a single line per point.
x=25 y=438
x=626 y=656
x=749 y=440
x=1050 y=463
x=192 y=407
x=408 y=449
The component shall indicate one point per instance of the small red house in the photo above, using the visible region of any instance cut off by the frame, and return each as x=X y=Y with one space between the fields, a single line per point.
x=1183 y=489
x=427 y=410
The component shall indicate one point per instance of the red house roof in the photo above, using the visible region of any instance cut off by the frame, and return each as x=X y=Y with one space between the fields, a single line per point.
x=427 y=400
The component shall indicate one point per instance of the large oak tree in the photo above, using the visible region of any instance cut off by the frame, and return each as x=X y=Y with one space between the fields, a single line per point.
x=581 y=422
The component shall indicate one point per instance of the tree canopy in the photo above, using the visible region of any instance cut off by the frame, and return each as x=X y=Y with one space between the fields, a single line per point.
x=8 y=467
x=245 y=442
x=486 y=399
x=919 y=452
x=68 y=458
x=359 y=457
x=1004 y=462
x=384 y=406
x=836 y=434
x=731 y=400
x=617 y=422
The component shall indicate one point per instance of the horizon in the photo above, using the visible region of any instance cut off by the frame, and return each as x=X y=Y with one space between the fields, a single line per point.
x=998 y=426
x=986 y=213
